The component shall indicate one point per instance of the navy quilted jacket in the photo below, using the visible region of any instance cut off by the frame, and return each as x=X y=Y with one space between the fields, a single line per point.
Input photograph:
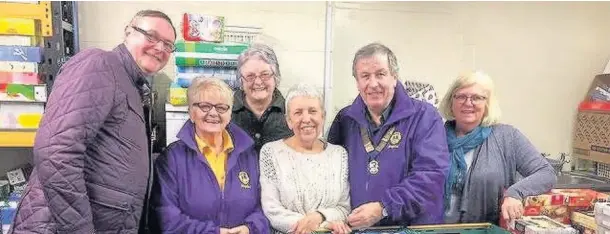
x=91 y=161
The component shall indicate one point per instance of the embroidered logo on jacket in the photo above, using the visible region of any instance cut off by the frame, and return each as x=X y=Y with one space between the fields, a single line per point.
x=244 y=179
x=395 y=140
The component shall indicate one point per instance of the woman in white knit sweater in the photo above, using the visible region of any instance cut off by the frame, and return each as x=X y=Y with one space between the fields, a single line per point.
x=304 y=179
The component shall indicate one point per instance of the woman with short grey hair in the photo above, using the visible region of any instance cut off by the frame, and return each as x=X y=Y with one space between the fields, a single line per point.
x=259 y=106
x=303 y=179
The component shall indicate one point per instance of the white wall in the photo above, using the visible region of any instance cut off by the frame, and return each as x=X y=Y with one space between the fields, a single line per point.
x=542 y=55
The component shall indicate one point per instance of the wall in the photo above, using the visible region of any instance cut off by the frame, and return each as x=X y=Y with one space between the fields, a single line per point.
x=542 y=55
x=294 y=29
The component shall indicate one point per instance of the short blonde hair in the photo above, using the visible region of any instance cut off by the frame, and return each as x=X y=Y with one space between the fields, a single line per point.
x=492 y=112
x=202 y=84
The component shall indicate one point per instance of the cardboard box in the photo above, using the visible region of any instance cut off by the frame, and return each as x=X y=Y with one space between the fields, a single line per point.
x=584 y=230
x=602 y=215
x=539 y=224
x=581 y=197
x=584 y=220
x=559 y=204
x=602 y=230
x=591 y=139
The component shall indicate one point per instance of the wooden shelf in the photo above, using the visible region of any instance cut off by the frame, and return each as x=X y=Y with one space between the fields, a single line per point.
x=40 y=11
x=17 y=137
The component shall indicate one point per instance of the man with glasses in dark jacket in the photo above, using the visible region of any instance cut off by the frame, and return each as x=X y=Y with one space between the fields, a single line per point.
x=92 y=152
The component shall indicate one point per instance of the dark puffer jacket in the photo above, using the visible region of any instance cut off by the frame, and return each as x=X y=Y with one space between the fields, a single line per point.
x=91 y=160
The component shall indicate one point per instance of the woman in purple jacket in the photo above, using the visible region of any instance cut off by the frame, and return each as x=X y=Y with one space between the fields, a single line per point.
x=207 y=181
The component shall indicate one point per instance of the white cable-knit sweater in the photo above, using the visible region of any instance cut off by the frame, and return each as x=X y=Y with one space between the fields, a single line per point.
x=294 y=184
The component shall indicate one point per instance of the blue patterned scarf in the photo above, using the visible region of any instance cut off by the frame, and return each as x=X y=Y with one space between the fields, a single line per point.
x=458 y=147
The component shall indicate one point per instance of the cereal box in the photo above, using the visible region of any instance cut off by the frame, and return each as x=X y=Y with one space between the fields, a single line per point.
x=539 y=225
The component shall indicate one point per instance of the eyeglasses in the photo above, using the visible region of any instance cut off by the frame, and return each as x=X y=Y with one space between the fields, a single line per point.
x=263 y=76
x=205 y=107
x=153 y=38
x=474 y=99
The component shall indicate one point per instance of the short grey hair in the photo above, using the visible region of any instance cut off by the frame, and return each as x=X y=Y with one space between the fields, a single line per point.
x=376 y=49
x=303 y=90
x=263 y=52
x=202 y=84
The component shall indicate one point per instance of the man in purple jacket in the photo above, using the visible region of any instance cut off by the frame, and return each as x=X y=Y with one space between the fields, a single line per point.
x=398 y=156
x=91 y=152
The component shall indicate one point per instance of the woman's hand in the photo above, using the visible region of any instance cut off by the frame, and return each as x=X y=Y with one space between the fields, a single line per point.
x=307 y=224
x=339 y=227
x=512 y=208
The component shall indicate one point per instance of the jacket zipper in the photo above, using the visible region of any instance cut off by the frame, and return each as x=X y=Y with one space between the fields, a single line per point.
x=368 y=179
x=222 y=199
x=214 y=180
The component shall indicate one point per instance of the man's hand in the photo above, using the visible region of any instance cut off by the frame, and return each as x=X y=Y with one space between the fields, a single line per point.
x=511 y=208
x=243 y=229
x=224 y=231
x=365 y=215
x=307 y=224
x=339 y=227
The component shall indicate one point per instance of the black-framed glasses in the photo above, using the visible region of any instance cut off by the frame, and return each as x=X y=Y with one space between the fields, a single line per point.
x=264 y=76
x=153 y=38
x=206 y=107
x=474 y=99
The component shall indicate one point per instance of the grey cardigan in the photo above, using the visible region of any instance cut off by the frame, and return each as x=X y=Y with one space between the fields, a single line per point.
x=494 y=169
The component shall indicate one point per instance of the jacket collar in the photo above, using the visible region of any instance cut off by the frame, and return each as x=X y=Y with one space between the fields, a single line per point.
x=138 y=77
x=403 y=107
x=277 y=101
x=241 y=140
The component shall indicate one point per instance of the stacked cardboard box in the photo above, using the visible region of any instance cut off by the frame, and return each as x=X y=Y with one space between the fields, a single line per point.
x=584 y=222
x=592 y=127
x=602 y=217
x=559 y=204
x=539 y=225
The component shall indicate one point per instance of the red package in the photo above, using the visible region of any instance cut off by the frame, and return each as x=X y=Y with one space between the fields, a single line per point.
x=197 y=27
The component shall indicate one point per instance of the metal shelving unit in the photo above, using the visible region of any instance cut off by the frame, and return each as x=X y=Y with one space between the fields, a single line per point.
x=59 y=38
x=63 y=44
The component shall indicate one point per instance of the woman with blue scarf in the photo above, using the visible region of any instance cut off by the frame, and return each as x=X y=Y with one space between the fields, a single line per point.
x=486 y=156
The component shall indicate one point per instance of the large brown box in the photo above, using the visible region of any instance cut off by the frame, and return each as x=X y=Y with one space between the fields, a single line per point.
x=592 y=128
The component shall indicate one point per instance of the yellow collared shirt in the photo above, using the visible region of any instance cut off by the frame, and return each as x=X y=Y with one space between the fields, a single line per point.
x=217 y=162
